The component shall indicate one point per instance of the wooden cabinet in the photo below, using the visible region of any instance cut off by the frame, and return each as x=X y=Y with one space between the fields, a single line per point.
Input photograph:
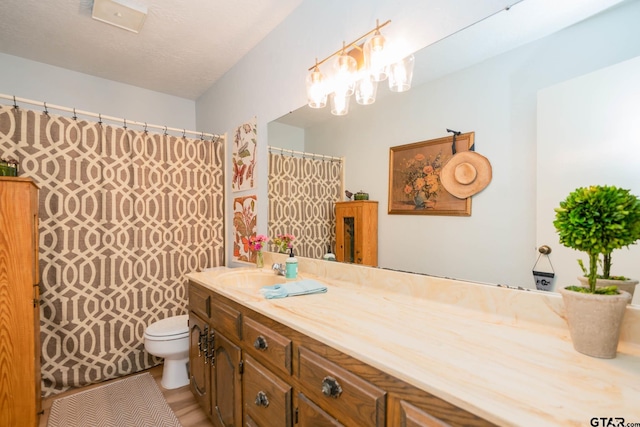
x=357 y=232
x=20 y=400
x=264 y=374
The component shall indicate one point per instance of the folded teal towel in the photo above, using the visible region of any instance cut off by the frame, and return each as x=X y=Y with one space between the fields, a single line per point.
x=292 y=289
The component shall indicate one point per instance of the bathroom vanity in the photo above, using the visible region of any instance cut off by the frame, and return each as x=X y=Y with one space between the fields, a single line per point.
x=395 y=349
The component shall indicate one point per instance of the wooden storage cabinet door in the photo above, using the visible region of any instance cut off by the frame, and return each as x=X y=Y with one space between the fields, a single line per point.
x=267 y=345
x=267 y=399
x=199 y=372
x=20 y=400
x=357 y=232
x=345 y=396
x=311 y=415
x=226 y=385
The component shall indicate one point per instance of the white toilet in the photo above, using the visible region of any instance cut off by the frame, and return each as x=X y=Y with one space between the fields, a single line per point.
x=169 y=338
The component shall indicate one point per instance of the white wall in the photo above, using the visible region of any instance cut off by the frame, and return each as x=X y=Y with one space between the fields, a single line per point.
x=54 y=85
x=588 y=134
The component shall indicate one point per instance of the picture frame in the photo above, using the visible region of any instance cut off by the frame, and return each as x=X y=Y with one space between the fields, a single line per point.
x=414 y=177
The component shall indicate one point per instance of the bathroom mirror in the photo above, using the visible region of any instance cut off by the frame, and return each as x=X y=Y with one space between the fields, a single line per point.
x=470 y=82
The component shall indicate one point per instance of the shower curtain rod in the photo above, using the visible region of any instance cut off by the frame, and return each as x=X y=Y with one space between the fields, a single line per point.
x=301 y=153
x=214 y=137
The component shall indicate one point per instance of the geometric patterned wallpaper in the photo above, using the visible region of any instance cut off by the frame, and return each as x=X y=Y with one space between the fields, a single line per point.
x=124 y=215
x=302 y=195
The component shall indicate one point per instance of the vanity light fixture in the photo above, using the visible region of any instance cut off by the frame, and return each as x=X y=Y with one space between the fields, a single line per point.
x=357 y=68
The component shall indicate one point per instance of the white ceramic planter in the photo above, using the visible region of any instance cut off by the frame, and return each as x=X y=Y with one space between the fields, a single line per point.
x=594 y=321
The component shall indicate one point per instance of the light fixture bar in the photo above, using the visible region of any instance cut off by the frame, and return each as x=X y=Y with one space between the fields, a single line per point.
x=352 y=44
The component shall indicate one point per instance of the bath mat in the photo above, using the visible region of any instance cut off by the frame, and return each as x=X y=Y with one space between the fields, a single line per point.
x=133 y=401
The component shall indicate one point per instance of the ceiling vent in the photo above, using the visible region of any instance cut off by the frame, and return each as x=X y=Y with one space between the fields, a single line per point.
x=121 y=13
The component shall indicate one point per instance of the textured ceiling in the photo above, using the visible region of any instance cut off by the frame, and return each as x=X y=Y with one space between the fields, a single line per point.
x=183 y=48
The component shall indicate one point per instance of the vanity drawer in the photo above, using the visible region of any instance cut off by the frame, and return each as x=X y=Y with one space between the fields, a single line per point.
x=226 y=319
x=344 y=395
x=267 y=345
x=267 y=399
x=199 y=301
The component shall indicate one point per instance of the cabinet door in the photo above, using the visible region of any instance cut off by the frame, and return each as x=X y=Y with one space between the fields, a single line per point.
x=311 y=415
x=267 y=399
x=348 y=239
x=198 y=360
x=226 y=387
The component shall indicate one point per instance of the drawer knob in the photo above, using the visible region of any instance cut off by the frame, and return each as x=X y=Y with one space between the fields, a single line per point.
x=262 y=399
x=260 y=343
x=331 y=387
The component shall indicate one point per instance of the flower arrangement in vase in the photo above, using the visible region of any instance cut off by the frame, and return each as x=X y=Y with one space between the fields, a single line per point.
x=283 y=242
x=422 y=179
x=256 y=244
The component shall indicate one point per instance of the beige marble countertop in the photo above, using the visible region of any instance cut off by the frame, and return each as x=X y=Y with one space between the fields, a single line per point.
x=510 y=372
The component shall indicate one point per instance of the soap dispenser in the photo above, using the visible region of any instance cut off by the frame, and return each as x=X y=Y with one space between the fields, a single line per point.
x=329 y=256
x=291 y=266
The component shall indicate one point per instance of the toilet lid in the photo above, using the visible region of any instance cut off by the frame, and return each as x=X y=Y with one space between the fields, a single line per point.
x=175 y=325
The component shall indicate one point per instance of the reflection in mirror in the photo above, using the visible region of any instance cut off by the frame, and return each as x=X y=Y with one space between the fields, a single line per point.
x=510 y=97
x=303 y=189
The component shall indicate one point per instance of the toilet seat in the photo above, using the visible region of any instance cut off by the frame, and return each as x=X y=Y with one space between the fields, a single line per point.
x=170 y=328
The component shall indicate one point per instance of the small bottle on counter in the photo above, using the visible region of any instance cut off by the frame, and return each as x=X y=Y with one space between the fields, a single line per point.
x=329 y=256
x=291 y=266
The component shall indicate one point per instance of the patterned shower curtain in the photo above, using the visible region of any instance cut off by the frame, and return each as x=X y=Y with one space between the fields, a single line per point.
x=302 y=196
x=124 y=215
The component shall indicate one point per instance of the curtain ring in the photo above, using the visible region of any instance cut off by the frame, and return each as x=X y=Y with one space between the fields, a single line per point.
x=100 y=119
x=125 y=123
x=46 y=111
x=74 y=117
x=15 y=105
x=165 y=131
x=183 y=133
x=145 y=128
x=202 y=136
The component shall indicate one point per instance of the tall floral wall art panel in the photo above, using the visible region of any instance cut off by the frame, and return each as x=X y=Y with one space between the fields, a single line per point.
x=244 y=227
x=243 y=156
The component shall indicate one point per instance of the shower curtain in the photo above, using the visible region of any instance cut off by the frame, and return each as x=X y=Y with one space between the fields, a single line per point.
x=124 y=215
x=302 y=196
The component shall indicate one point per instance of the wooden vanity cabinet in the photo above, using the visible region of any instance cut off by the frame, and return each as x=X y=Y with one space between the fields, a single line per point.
x=20 y=399
x=264 y=374
x=357 y=232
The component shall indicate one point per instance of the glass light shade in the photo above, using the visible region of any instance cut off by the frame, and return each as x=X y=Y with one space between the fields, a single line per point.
x=339 y=104
x=345 y=68
x=316 y=90
x=375 y=57
x=401 y=74
x=366 y=90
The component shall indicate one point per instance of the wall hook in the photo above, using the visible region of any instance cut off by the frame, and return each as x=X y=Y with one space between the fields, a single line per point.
x=544 y=249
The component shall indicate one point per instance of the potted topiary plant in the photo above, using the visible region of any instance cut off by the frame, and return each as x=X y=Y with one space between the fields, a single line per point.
x=597 y=220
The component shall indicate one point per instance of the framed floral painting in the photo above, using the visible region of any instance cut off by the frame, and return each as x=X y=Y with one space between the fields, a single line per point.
x=414 y=177
x=243 y=156
x=244 y=226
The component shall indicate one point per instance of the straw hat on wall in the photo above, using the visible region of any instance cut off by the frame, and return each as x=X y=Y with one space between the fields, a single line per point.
x=465 y=174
